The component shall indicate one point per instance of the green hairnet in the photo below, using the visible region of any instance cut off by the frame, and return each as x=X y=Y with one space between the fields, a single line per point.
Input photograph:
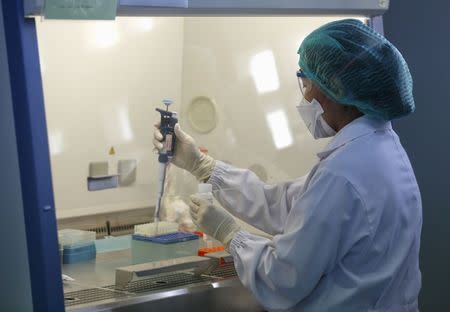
x=354 y=65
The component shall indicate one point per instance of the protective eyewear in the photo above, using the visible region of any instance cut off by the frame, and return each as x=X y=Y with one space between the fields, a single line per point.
x=303 y=82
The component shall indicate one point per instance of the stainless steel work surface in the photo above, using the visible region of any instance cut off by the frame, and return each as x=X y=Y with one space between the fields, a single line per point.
x=97 y=272
x=94 y=289
x=223 y=296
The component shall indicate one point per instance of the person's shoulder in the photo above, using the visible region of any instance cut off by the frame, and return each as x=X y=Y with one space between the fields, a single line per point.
x=356 y=162
x=362 y=153
x=350 y=157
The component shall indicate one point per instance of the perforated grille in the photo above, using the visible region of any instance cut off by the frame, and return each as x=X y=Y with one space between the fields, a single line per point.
x=159 y=282
x=122 y=229
x=225 y=271
x=84 y=296
x=163 y=282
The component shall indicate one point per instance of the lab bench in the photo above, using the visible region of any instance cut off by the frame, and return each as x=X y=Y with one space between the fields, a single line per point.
x=94 y=288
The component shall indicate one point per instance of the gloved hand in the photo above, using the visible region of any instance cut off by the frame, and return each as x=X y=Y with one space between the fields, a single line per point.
x=213 y=220
x=187 y=155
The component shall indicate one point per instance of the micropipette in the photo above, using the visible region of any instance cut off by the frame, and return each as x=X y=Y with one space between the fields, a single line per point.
x=167 y=128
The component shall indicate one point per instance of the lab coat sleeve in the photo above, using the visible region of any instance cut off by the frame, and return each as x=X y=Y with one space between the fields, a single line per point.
x=323 y=224
x=243 y=194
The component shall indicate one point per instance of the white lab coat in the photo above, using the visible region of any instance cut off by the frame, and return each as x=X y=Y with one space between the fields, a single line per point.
x=346 y=237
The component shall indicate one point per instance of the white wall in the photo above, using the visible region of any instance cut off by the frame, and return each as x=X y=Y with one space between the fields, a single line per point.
x=102 y=81
x=15 y=288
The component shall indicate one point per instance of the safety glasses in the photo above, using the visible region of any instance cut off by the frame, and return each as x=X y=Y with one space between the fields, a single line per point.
x=303 y=82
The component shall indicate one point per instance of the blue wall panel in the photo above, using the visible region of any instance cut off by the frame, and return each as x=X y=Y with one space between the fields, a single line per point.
x=34 y=159
x=420 y=31
x=15 y=286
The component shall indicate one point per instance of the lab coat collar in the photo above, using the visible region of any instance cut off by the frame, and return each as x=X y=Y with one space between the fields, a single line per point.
x=357 y=128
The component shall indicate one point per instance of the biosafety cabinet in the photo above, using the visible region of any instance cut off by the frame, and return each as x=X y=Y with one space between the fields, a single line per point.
x=85 y=78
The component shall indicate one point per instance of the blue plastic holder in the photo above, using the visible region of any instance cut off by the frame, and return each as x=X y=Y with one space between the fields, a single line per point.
x=79 y=254
x=169 y=238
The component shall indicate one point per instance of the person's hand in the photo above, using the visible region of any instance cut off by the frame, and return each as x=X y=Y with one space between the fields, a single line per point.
x=187 y=155
x=213 y=220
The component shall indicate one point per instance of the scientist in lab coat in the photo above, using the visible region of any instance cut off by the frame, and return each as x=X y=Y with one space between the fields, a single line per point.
x=345 y=237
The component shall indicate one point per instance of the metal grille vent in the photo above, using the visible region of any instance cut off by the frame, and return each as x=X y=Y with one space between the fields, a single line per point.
x=110 y=292
x=122 y=229
x=160 y=282
x=224 y=271
x=84 y=296
x=163 y=282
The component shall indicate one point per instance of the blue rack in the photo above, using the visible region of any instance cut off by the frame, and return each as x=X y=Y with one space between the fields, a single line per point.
x=169 y=238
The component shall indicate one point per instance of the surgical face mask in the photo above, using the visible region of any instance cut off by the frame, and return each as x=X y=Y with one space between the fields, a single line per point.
x=311 y=113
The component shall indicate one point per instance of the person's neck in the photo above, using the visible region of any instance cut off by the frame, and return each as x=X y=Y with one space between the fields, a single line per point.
x=348 y=119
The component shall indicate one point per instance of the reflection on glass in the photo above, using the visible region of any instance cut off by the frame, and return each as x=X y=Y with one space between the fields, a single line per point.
x=117 y=127
x=278 y=125
x=264 y=72
x=124 y=123
x=231 y=138
x=56 y=142
x=144 y=24
x=105 y=34
x=42 y=66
